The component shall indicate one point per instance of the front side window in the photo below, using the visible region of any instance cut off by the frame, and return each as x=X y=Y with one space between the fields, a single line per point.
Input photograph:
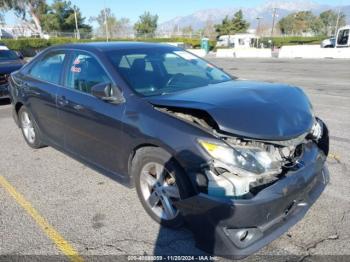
x=343 y=37
x=49 y=68
x=85 y=72
x=152 y=71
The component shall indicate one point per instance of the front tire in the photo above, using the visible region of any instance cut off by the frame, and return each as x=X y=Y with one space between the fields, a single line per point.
x=160 y=183
x=29 y=128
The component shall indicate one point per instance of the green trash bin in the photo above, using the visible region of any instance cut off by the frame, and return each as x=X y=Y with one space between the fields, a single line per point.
x=205 y=44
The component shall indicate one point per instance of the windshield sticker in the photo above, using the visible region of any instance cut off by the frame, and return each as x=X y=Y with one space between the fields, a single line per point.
x=75 y=69
x=185 y=55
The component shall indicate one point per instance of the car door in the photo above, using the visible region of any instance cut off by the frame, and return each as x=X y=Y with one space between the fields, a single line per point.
x=40 y=87
x=93 y=128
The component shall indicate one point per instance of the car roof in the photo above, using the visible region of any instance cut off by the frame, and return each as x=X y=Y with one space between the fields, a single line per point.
x=344 y=27
x=110 y=46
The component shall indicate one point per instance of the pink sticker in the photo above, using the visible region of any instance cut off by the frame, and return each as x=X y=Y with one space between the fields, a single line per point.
x=75 y=69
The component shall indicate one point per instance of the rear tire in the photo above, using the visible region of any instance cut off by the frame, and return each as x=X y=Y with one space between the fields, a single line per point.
x=29 y=128
x=160 y=182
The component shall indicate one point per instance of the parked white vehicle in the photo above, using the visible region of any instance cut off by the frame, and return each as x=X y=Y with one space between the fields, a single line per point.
x=343 y=39
x=328 y=43
x=237 y=41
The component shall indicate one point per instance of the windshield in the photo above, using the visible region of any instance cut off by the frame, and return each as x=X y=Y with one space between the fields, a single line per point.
x=7 y=55
x=160 y=71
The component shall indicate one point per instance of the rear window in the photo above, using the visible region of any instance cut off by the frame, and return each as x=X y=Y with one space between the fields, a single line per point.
x=49 y=68
x=127 y=61
x=8 y=55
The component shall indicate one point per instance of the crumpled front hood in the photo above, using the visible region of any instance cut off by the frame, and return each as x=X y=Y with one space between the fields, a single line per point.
x=7 y=67
x=250 y=109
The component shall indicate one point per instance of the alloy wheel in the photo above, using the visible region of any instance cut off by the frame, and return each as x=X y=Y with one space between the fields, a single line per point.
x=27 y=127
x=159 y=190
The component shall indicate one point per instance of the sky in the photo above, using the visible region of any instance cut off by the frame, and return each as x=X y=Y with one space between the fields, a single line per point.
x=166 y=9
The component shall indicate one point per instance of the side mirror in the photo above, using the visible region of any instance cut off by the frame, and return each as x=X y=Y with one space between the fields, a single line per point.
x=107 y=92
x=20 y=55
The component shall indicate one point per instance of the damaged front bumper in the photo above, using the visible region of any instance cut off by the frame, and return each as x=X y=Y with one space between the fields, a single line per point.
x=236 y=228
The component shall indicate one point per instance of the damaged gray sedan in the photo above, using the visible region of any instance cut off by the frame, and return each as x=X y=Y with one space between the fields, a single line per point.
x=239 y=161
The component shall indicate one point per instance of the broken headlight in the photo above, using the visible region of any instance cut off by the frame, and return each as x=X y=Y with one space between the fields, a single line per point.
x=244 y=160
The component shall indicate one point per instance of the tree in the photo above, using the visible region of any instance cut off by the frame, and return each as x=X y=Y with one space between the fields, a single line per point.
x=122 y=27
x=116 y=27
x=209 y=29
x=232 y=26
x=147 y=24
x=287 y=25
x=329 y=19
x=2 y=19
x=39 y=16
x=3 y=8
x=30 y=11
x=300 y=23
x=60 y=17
x=316 y=25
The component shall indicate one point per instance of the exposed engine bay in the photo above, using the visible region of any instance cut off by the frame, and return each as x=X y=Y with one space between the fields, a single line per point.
x=243 y=184
x=233 y=180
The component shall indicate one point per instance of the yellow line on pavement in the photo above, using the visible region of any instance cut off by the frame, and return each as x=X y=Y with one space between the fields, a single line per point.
x=334 y=155
x=59 y=241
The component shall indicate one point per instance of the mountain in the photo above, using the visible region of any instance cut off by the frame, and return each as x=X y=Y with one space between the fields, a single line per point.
x=199 y=19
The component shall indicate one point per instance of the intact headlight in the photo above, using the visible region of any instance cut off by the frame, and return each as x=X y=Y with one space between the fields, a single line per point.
x=316 y=130
x=244 y=160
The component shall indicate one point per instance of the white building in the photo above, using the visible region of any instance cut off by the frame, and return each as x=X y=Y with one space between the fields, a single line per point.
x=16 y=31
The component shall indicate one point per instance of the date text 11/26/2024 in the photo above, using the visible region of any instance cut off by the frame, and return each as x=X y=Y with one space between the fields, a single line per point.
x=172 y=258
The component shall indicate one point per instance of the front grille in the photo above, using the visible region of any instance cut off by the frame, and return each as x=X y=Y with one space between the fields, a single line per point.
x=3 y=79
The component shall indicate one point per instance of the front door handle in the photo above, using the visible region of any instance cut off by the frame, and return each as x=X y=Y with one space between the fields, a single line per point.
x=62 y=101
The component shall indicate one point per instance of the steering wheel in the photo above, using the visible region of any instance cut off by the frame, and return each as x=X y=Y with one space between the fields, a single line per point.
x=173 y=78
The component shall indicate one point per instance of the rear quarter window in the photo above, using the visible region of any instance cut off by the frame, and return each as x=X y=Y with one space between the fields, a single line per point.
x=49 y=68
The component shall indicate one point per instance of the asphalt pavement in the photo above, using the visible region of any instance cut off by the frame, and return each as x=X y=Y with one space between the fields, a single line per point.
x=53 y=207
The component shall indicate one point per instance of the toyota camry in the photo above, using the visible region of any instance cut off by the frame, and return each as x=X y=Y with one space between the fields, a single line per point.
x=239 y=161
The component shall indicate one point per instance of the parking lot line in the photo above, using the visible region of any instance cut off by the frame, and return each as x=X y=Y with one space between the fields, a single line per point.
x=58 y=240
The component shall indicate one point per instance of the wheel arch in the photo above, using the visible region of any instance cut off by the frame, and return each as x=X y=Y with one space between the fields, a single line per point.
x=137 y=149
x=18 y=106
x=15 y=111
x=132 y=157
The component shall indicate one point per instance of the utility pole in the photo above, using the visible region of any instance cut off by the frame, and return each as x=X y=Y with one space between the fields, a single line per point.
x=258 y=31
x=76 y=22
x=106 y=25
x=337 y=24
x=273 y=26
x=273 y=21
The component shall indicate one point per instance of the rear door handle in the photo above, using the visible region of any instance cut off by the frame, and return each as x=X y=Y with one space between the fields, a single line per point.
x=78 y=107
x=62 y=101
